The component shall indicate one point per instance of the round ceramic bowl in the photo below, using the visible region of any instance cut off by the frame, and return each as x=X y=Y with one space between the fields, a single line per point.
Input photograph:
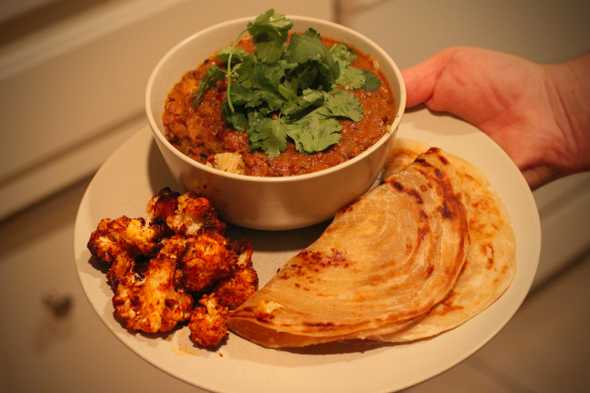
x=270 y=203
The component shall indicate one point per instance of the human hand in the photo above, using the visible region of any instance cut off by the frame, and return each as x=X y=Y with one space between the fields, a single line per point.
x=538 y=114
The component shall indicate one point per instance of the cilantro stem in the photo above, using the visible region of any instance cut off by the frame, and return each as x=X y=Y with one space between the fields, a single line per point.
x=228 y=73
x=228 y=91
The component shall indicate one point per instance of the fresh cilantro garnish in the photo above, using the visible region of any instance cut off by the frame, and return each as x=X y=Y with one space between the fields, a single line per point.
x=295 y=91
x=372 y=83
x=299 y=107
x=342 y=104
x=213 y=75
x=237 y=120
x=238 y=55
x=314 y=133
x=269 y=32
x=267 y=134
x=305 y=47
x=351 y=78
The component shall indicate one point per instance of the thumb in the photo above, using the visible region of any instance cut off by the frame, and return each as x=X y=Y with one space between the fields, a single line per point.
x=421 y=79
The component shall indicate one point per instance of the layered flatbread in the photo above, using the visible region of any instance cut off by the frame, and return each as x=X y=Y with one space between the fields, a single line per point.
x=418 y=255
x=491 y=262
x=379 y=268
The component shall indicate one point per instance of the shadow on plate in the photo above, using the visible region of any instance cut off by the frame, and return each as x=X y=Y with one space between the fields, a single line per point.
x=349 y=346
x=159 y=175
x=269 y=241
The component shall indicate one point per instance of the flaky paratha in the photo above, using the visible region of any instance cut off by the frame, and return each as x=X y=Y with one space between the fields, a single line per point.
x=380 y=267
x=491 y=258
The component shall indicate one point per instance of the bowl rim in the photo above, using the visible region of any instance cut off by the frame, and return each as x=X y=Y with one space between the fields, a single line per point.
x=401 y=106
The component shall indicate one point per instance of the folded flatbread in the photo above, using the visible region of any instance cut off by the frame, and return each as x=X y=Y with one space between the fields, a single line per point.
x=380 y=267
x=491 y=262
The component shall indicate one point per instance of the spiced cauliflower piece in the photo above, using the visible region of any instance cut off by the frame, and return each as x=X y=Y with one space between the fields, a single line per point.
x=234 y=290
x=153 y=304
x=116 y=242
x=206 y=261
x=229 y=162
x=113 y=236
x=186 y=214
x=208 y=324
x=158 y=270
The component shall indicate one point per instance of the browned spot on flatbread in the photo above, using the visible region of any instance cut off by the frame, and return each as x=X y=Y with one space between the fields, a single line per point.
x=397 y=185
x=409 y=248
x=445 y=211
x=422 y=161
x=376 y=279
x=322 y=325
x=415 y=195
x=423 y=231
x=423 y=215
x=488 y=251
x=429 y=270
x=447 y=306
x=311 y=262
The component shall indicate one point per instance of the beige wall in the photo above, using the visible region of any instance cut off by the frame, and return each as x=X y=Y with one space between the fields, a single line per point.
x=72 y=81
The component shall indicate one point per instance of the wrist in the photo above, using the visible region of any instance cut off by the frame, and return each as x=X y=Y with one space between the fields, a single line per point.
x=568 y=92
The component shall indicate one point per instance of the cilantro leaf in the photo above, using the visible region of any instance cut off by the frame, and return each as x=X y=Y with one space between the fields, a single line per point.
x=305 y=47
x=270 y=75
x=238 y=55
x=342 y=104
x=310 y=100
x=317 y=68
x=312 y=75
x=246 y=72
x=268 y=135
x=270 y=23
x=351 y=78
x=372 y=82
x=269 y=31
x=269 y=51
x=284 y=92
x=313 y=133
x=245 y=97
x=288 y=90
x=213 y=75
x=237 y=120
x=342 y=55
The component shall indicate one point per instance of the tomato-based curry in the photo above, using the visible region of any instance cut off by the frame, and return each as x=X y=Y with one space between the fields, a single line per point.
x=202 y=133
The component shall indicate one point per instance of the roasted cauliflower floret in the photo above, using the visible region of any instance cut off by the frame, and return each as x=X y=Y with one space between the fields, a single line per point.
x=229 y=162
x=153 y=304
x=162 y=205
x=206 y=261
x=121 y=268
x=112 y=237
x=208 y=324
x=157 y=270
x=235 y=290
x=186 y=214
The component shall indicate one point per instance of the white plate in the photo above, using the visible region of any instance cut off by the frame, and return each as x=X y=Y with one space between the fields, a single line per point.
x=136 y=171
